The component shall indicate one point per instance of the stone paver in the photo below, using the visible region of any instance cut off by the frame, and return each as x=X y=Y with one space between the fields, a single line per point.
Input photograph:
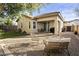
x=1 y=52
x=6 y=50
x=28 y=49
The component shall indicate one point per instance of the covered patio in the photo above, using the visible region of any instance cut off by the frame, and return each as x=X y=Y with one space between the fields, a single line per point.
x=49 y=22
x=51 y=26
x=45 y=26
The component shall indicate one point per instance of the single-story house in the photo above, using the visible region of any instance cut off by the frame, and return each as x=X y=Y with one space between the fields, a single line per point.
x=72 y=25
x=48 y=22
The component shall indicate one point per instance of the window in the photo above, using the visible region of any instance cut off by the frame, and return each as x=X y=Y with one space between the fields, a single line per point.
x=29 y=25
x=34 y=25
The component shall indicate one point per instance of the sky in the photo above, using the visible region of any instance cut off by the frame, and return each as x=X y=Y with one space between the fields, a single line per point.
x=67 y=10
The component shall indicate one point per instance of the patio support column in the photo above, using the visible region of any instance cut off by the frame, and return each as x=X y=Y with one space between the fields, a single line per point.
x=78 y=29
x=65 y=28
x=56 y=26
x=46 y=26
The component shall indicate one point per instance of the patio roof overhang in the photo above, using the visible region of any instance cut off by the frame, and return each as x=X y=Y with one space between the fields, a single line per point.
x=50 y=14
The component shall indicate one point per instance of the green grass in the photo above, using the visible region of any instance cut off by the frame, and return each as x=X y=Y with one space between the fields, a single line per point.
x=10 y=34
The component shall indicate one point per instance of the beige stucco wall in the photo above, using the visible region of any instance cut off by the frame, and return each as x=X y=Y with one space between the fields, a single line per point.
x=78 y=29
x=51 y=24
x=61 y=24
x=34 y=30
x=67 y=24
x=76 y=26
x=24 y=22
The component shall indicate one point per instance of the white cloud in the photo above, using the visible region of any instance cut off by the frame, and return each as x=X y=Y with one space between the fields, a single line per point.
x=69 y=14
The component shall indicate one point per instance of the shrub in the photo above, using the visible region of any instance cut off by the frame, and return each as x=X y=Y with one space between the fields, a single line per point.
x=75 y=33
x=24 y=33
x=52 y=30
x=19 y=30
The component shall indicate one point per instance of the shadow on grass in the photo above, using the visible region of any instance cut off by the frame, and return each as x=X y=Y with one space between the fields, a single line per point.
x=10 y=34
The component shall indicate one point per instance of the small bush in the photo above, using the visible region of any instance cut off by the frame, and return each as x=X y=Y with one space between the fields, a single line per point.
x=75 y=33
x=24 y=33
x=19 y=30
x=52 y=30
